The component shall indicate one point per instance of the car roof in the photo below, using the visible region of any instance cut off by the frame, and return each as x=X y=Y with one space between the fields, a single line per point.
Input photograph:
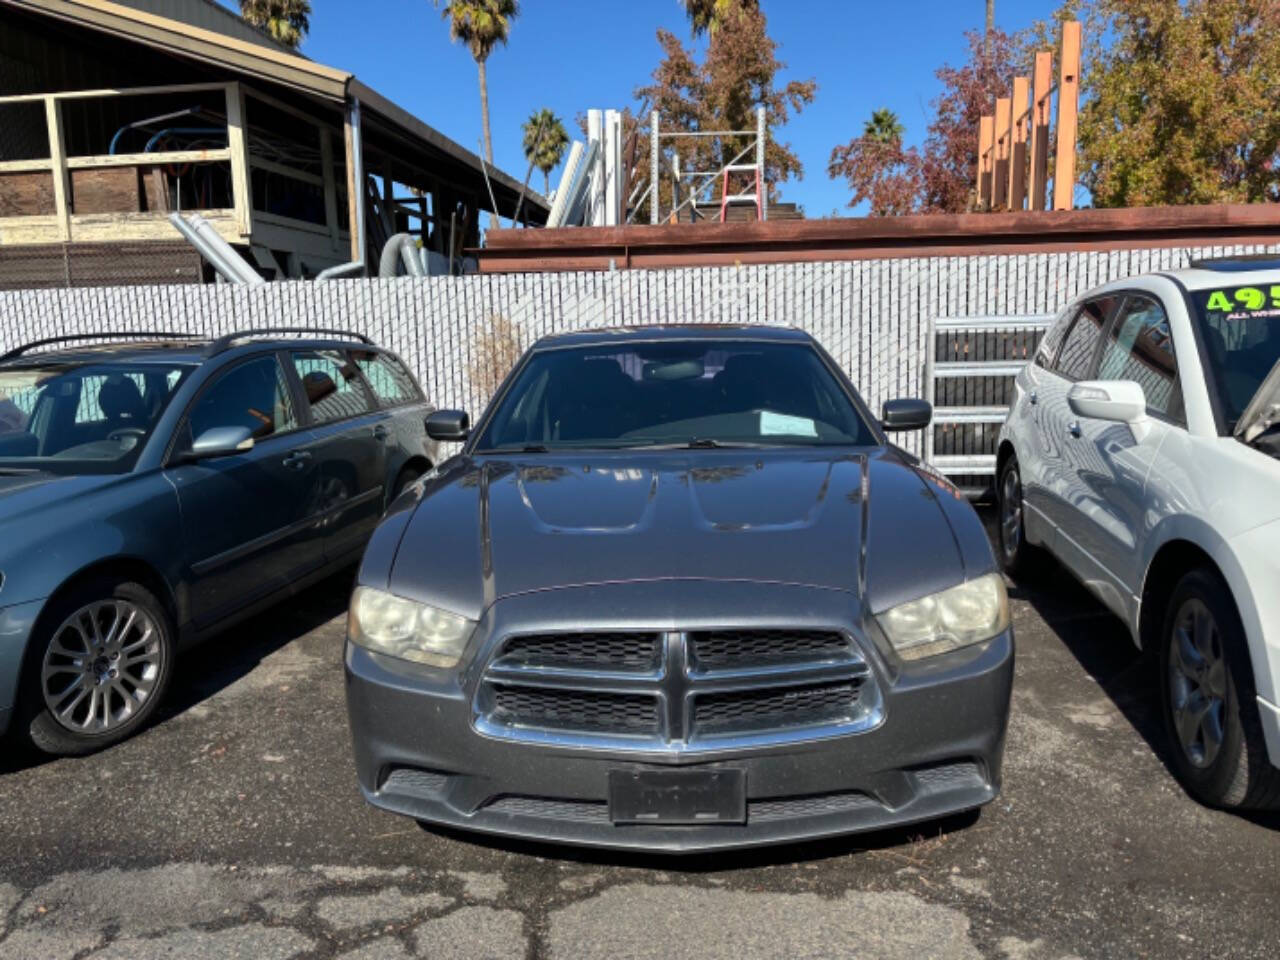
x=614 y=336
x=1229 y=272
x=194 y=351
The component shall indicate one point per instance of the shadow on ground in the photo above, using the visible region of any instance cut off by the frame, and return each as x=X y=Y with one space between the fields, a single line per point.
x=721 y=861
x=218 y=662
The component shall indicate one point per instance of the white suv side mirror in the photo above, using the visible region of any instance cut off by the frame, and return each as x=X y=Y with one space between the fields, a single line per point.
x=1121 y=401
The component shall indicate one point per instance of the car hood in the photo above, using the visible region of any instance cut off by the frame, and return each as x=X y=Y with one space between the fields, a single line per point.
x=865 y=522
x=23 y=493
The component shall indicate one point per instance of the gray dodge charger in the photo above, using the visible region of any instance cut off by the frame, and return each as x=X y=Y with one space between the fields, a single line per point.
x=678 y=592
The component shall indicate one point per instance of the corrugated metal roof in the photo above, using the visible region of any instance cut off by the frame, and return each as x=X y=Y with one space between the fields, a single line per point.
x=207 y=14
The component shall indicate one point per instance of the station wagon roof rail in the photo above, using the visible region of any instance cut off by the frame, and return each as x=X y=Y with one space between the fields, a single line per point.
x=226 y=342
x=102 y=335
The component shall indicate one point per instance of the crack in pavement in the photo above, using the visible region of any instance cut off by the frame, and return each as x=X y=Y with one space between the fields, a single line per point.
x=277 y=913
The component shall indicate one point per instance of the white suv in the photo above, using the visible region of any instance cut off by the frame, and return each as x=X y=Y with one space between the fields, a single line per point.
x=1142 y=450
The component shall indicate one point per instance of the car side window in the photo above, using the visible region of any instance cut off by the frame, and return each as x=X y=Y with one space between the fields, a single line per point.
x=1052 y=339
x=253 y=394
x=1075 y=360
x=1139 y=346
x=331 y=383
x=390 y=382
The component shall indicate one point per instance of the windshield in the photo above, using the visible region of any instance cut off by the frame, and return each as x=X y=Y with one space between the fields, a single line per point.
x=675 y=393
x=74 y=418
x=1241 y=331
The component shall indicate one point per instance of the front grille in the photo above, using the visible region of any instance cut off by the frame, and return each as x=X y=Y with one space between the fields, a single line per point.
x=745 y=648
x=647 y=690
x=549 y=808
x=786 y=707
x=574 y=710
x=814 y=805
x=604 y=651
x=415 y=782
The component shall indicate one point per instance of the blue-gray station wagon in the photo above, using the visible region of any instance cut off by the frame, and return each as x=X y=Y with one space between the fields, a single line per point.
x=156 y=489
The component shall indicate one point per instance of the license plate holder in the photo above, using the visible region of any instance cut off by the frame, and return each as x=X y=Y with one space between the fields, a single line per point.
x=678 y=796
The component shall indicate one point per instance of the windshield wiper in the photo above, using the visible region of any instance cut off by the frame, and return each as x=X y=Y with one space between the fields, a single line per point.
x=16 y=472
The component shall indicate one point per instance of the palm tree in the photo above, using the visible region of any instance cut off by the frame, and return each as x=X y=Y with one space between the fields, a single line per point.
x=545 y=141
x=883 y=127
x=287 y=21
x=481 y=25
x=708 y=15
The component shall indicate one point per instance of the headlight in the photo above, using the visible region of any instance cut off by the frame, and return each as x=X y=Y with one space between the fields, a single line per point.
x=970 y=613
x=384 y=623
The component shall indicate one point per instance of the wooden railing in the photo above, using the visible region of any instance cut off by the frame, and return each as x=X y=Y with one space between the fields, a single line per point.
x=69 y=198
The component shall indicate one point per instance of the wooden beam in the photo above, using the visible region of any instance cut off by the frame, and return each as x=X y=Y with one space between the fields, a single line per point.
x=1000 y=172
x=1041 y=92
x=986 y=160
x=237 y=142
x=25 y=166
x=58 y=159
x=1018 y=155
x=353 y=188
x=1064 y=168
x=148 y=159
x=111 y=92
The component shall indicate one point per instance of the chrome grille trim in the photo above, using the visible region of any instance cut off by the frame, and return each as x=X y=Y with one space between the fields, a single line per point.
x=761 y=703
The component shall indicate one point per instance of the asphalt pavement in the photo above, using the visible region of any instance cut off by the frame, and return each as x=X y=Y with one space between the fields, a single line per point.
x=233 y=828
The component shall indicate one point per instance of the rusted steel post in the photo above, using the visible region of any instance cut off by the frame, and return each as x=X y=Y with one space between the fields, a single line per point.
x=986 y=155
x=1004 y=113
x=1042 y=91
x=1018 y=157
x=1064 y=169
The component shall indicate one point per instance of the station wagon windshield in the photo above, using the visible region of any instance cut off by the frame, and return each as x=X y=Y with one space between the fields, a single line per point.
x=76 y=418
x=673 y=394
x=1241 y=330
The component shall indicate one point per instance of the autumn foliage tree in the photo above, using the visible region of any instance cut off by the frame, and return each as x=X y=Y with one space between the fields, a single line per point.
x=879 y=170
x=722 y=92
x=939 y=178
x=1183 y=107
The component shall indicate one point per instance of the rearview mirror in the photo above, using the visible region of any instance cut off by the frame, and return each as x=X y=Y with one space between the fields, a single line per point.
x=1120 y=401
x=448 y=425
x=906 y=413
x=221 y=442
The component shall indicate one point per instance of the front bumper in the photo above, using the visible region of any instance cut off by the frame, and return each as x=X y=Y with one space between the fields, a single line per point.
x=937 y=749
x=16 y=624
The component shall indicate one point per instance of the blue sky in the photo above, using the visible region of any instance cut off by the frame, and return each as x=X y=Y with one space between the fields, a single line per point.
x=573 y=54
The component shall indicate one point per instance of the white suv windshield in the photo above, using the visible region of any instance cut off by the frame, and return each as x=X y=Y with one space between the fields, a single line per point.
x=680 y=392
x=1240 y=326
x=80 y=418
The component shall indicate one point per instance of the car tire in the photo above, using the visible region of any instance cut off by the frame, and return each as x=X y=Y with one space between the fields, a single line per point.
x=1019 y=558
x=1208 y=701
x=99 y=666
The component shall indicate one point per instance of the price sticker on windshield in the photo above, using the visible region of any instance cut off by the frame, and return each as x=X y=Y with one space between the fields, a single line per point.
x=1242 y=302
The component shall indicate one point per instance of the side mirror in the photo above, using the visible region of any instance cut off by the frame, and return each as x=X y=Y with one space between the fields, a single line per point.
x=448 y=425
x=906 y=413
x=221 y=442
x=1120 y=401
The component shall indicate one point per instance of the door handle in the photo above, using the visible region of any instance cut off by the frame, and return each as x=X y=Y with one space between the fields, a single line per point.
x=1073 y=428
x=297 y=460
x=380 y=432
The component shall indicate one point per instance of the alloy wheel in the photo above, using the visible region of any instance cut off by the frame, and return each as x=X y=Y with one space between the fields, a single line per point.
x=101 y=666
x=1197 y=683
x=1011 y=514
